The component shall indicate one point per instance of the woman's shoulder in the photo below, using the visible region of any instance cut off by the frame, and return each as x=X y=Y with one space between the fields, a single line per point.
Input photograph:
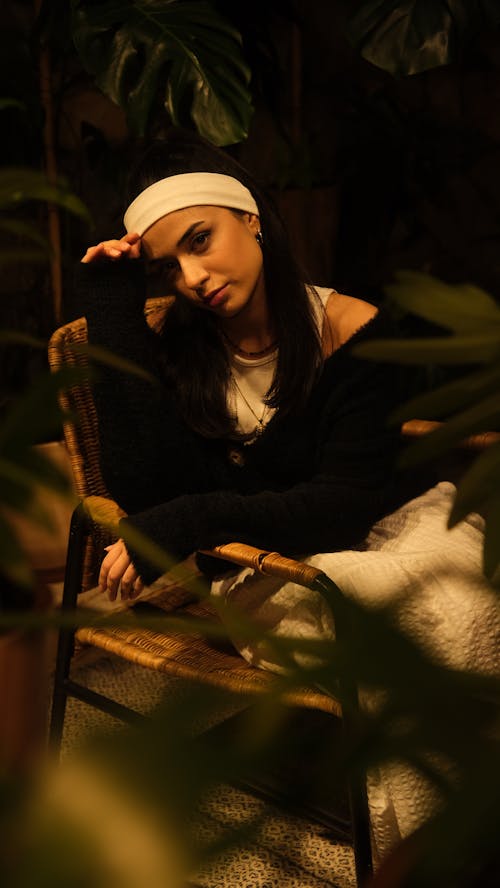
x=344 y=316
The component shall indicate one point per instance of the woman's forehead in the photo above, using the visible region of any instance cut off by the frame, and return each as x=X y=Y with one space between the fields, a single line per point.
x=168 y=232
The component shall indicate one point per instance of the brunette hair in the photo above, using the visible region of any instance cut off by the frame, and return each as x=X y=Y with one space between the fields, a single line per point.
x=194 y=363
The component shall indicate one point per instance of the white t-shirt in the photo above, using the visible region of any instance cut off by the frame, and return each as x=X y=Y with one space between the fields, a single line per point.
x=252 y=377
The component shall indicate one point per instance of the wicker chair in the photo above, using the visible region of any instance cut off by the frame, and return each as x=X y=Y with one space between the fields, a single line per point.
x=190 y=657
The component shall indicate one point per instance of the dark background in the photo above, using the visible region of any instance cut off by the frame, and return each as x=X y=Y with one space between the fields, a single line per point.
x=372 y=173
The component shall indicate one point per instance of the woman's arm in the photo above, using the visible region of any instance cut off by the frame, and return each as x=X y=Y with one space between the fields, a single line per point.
x=129 y=407
x=352 y=484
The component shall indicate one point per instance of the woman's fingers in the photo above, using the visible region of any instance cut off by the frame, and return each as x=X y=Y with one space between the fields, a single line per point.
x=134 y=240
x=138 y=587
x=131 y=584
x=113 y=567
x=118 y=572
x=113 y=552
x=113 y=250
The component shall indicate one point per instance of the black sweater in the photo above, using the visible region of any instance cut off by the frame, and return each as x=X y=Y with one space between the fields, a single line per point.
x=312 y=482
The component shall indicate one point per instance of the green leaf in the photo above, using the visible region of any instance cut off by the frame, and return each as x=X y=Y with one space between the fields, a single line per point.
x=36 y=415
x=476 y=349
x=18 y=338
x=22 y=255
x=39 y=469
x=24 y=471
x=479 y=418
x=184 y=53
x=77 y=374
x=448 y=398
x=415 y=35
x=12 y=103
x=13 y=561
x=104 y=356
x=24 y=230
x=478 y=486
x=463 y=308
x=20 y=185
x=17 y=488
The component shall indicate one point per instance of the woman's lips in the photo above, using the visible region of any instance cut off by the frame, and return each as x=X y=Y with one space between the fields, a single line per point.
x=216 y=297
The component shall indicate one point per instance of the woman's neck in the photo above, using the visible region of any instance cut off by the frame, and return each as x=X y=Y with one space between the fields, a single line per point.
x=251 y=331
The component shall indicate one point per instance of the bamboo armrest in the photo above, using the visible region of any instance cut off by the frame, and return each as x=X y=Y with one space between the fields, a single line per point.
x=269 y=563
x=418 y=428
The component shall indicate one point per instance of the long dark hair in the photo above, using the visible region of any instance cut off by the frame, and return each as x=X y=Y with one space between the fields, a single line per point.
x=195 y=364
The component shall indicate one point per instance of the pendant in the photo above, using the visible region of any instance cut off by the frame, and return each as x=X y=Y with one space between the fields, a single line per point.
x=236 y=457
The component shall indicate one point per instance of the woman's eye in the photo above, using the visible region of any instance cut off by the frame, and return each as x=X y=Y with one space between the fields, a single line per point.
x=200 y=240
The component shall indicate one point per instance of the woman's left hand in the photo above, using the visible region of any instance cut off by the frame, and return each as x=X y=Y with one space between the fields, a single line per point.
x=118 y=572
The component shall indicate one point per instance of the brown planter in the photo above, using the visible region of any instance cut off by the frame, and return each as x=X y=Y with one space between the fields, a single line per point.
x=24 y=691
x=46 y=550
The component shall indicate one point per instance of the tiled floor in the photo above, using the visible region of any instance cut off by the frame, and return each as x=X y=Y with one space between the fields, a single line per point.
x=287 y=851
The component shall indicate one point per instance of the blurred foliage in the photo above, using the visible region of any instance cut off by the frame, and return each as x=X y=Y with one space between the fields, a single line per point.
x=24 y=240
x=471 y=404
x=157 y=782
x=414 y=35
x=36 y=415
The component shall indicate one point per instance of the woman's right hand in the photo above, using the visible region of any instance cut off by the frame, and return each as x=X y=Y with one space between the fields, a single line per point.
x=113 y=250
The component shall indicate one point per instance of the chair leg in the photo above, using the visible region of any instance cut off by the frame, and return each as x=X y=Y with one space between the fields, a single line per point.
x=72 y=585
x=358 y=797
x=360 y=825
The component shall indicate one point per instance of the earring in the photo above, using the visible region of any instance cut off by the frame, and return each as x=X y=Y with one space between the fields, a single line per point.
x=259 y=238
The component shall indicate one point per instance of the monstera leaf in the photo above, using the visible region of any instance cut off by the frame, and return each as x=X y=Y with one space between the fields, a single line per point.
x=183 y=53
x=415 y=35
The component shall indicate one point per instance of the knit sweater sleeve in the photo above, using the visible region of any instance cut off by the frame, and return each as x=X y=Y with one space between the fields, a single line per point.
x=129 y=406
x=350 y=485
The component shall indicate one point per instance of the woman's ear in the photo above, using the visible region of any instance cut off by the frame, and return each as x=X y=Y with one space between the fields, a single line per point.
x=253 y=222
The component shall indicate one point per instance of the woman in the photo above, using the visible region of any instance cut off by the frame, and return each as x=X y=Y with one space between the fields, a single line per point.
x=264 y=427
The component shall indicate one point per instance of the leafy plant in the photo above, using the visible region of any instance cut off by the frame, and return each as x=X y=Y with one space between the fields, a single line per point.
x=415 y=35
x=183 y=54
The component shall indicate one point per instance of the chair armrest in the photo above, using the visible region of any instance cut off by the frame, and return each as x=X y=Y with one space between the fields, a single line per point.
x=265 y=562
x=418 y=428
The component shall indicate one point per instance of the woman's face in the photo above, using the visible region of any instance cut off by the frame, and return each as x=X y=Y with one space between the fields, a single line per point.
x=210 y=256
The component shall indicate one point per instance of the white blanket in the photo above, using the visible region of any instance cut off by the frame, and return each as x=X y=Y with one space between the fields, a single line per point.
x=433 y=577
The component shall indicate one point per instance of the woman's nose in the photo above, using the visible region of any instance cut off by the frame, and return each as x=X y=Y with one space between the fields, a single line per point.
x=193 y=272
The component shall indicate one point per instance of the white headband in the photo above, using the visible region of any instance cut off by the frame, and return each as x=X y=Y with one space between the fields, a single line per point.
x=186 y=190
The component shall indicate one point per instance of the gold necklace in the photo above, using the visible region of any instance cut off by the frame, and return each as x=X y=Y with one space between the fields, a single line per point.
x=260 y=420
